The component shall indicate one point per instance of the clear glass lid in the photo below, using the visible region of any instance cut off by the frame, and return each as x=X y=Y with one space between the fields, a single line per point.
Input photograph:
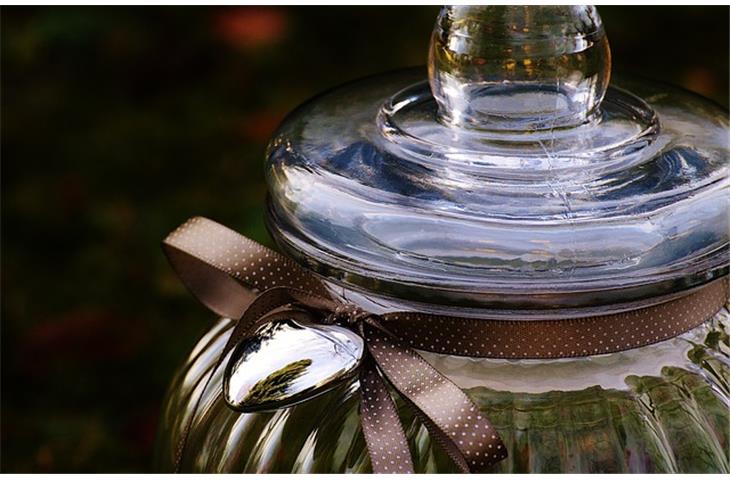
x=513 y=177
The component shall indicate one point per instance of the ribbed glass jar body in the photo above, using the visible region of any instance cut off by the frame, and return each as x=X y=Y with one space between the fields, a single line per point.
x=659 y=408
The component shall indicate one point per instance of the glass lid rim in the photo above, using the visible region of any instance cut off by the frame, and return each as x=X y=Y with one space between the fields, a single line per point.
x=478 y=295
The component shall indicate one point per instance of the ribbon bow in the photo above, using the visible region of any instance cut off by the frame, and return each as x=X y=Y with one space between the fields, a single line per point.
x=242 y=280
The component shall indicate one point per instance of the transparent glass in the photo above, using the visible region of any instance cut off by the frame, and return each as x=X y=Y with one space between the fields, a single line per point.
x=659 y=408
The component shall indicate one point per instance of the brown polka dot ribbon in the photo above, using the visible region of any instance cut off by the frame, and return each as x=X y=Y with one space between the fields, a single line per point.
x=240 y=279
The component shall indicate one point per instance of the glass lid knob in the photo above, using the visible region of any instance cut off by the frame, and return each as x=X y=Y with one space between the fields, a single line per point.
x=518 y=68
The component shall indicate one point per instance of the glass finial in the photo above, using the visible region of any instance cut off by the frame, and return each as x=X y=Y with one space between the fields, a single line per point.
x=518 y=68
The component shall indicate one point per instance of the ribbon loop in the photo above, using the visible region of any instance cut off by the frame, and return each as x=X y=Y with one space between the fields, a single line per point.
x=225 y=270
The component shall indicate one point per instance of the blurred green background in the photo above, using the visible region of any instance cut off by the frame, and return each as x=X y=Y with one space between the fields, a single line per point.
x=119 y=123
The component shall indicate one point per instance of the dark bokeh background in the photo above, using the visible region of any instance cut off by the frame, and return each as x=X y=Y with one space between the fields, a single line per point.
x=119 y=123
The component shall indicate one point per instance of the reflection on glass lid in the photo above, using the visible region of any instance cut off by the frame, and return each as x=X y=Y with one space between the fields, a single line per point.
x=515 y=176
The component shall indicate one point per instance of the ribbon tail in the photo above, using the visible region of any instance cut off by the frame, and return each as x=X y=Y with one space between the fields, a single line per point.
x=384 y=436
x=450 y=416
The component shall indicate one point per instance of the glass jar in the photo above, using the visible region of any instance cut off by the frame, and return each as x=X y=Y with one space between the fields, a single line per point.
x=515 y=182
